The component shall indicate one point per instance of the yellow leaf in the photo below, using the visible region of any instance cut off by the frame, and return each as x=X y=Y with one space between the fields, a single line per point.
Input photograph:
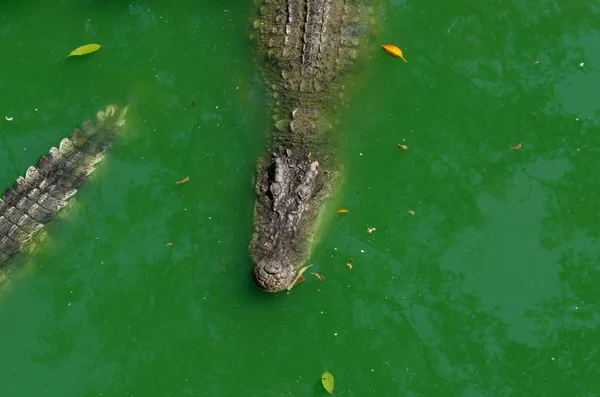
x=411 y=212
x=349 y=265
x=393 y=51
x=289 y=287
x=403 y=147
x=342 y=210
x=184 y=180
x=85 y=49
x=327 y=381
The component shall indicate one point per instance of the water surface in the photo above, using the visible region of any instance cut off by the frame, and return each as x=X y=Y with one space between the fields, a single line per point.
x=489 y=289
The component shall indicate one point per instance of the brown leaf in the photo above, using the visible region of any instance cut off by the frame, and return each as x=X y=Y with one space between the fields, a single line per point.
x=342 y=210
x=317 y=275
x=403 y=147
x=184 y=180
x=298 y=277
x=517 y=147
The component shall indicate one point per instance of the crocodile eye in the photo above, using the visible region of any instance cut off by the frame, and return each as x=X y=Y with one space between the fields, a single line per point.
x=275 y=189
x=303 y=192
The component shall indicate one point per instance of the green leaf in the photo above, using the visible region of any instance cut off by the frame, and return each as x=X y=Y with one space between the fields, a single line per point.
x=289 y=287
x=327 y=381
x=85 y=49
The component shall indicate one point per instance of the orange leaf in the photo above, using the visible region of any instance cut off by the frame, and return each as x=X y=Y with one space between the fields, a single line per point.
x=403 y=146
x=341 y=210
x=516 y=147
x=393 y=51
x=184 y=180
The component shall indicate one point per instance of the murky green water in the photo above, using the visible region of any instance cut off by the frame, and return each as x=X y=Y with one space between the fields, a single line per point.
x=489 y=289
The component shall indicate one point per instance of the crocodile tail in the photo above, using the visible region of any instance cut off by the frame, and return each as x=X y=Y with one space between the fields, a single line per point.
x=36 y=198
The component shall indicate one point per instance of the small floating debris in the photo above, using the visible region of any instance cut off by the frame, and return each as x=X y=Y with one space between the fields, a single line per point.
x=517 y=147
x=8 y=118
x=403 y=147
x=371 y=229
x=411 y=212
x=317 y=275
x=184 y=180
x=342 y=210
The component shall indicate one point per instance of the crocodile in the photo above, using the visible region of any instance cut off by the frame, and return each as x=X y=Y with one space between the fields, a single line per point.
x=36 y=198
x=308 y=45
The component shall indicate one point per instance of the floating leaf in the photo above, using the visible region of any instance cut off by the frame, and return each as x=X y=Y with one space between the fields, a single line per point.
x=317 y=275
x=169 y=244
x=327 y=381
x=184 y=180
x=342 y=210
x=349 y=265
x=393 y=51
x=298 y=276
x=85 y=49
x=403 y=147
x=516 y=147
x=371 y=229
x=411 y=212
x=299 y=280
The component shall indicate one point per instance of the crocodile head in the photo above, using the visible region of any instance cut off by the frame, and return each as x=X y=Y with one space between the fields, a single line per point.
x=288 y=189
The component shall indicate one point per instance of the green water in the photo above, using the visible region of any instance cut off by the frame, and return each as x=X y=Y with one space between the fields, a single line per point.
x=489 y=289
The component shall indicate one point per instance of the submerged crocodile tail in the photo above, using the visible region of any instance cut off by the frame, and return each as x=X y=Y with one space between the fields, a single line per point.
x=45 y=189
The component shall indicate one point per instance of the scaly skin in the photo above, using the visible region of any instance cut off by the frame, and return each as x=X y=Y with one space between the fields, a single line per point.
x=309 y=44
x=35 y=199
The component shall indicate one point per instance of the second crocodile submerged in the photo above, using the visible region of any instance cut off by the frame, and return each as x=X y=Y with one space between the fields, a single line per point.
x=309 y=45
x=45 y=189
